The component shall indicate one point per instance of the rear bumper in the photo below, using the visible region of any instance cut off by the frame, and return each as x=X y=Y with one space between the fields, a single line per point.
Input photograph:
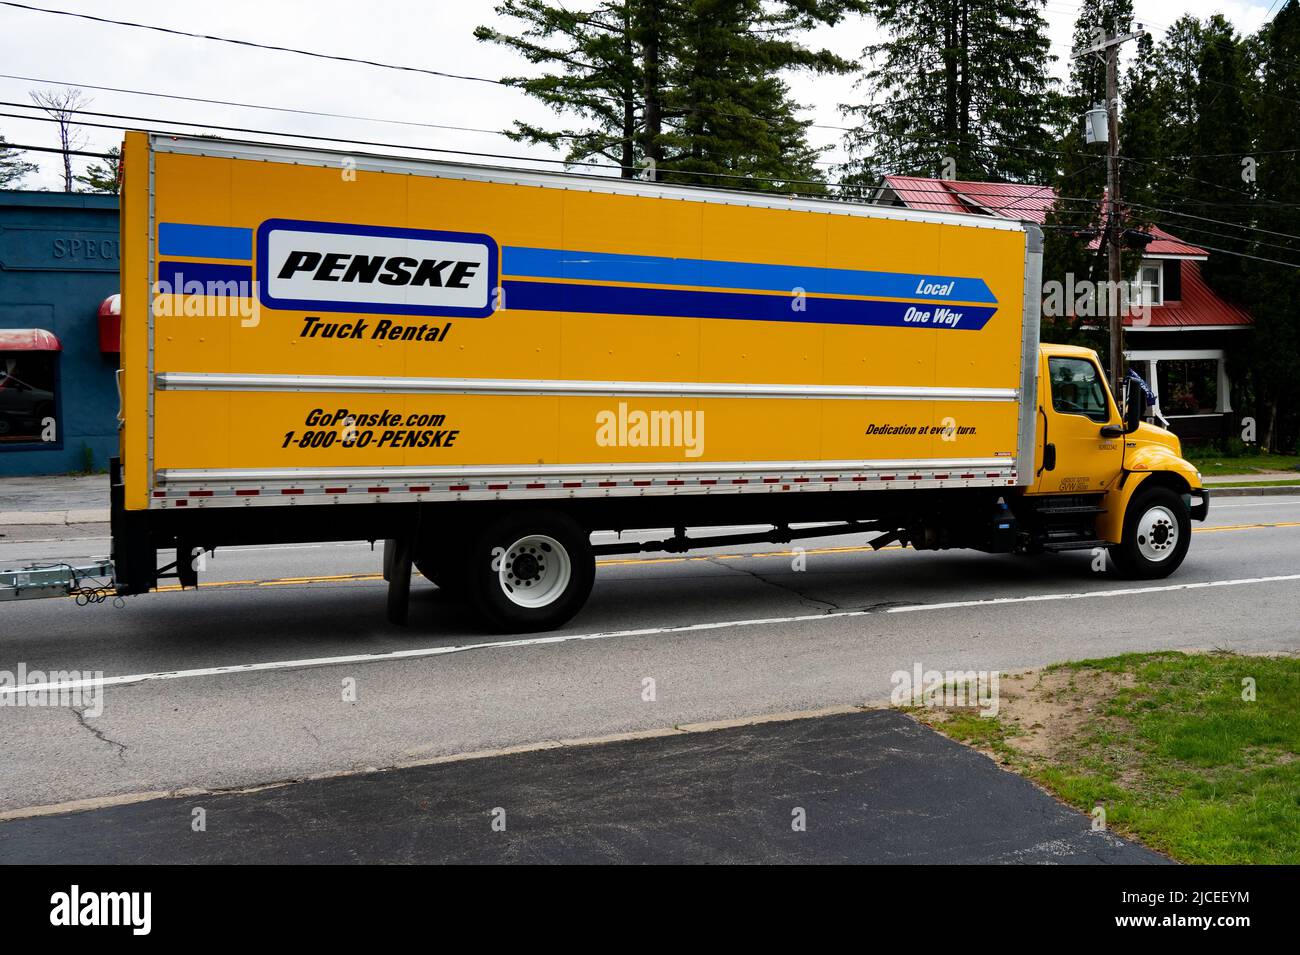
x=1201 y=508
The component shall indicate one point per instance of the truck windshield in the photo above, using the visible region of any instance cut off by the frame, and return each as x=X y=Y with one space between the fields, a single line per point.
x=1077 y=388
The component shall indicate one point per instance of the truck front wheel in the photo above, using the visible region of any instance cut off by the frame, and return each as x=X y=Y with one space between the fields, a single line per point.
x=1157 y=530
x=529 y=571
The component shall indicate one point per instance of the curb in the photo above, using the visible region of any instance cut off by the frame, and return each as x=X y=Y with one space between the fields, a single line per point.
x=92 y=515
x=1245 y=490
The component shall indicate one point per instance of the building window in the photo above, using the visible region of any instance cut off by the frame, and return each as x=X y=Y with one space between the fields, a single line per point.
x=1188 y=386
x=28 y=409
x=1148 y=288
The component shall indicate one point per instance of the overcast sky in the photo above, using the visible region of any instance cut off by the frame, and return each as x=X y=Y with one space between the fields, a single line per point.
x=436 y=34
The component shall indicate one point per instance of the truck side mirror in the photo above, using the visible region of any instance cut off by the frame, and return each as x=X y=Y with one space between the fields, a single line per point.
x=1132 y=414
x=1132 y=410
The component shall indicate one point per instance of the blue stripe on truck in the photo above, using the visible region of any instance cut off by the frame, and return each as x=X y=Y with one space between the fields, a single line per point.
x=205 y=241
x=713 y=273
x=679 y=303
x=206 y=278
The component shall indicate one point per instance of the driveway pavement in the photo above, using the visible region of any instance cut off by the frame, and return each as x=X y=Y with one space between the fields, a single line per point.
x=871 y=786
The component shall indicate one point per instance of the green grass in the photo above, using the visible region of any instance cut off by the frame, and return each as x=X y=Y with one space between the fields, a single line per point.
x=1211 y=462
x=1178 y=759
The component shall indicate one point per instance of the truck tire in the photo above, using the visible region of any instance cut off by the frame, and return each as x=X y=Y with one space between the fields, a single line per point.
x=529 y=571
x=1157 y=531
x=441 y=560
x=430 y=571
x=397 y=567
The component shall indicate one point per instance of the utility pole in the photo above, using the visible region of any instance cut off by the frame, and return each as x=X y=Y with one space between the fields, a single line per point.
x=1108 y=45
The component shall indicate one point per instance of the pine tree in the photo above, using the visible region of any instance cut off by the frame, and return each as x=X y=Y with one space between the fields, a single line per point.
x=598 y=80
x=1274 y=289
x=13 y=169
x=729 y=118
x=961 y=87
x=1186 y=126
x=1224 y=135
x=106 y=177
x=1080 y=181
x=677 y=90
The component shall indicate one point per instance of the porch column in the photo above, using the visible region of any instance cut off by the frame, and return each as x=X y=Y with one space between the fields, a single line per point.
x=1224 y=404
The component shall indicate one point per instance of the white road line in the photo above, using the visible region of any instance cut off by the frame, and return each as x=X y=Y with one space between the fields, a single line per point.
x=611 y=634
x=1120 y=592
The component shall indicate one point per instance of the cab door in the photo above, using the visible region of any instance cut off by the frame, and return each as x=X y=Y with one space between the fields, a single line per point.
x=1074 y=405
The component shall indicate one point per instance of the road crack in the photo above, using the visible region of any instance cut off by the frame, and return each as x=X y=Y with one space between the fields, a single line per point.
x=827 y=605
x=81 y=720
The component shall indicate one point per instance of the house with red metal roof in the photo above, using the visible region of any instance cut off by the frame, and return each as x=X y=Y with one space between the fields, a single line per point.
x=1178 y=336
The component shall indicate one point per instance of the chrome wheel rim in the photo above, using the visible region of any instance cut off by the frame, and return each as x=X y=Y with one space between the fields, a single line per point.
x=534 y=571
x=1157 y=534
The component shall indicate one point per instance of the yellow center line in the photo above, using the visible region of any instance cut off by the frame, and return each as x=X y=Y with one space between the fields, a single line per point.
x=1243 y=527
x=628 y=561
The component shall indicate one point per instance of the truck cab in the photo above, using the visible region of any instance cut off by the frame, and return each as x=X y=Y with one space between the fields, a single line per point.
x=1102 y=476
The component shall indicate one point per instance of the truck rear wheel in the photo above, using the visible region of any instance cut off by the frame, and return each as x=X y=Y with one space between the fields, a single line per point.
x=431 y=571
x=529 y=571
x=1157 y=531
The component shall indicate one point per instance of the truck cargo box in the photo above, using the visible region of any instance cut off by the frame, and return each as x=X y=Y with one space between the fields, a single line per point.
x=308 y=327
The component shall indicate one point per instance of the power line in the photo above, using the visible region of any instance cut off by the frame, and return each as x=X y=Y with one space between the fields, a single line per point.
x=1010 y=203
x=253 y=44
x=336 y=57
x=56 y=149
x=1246 y=255
x=1235 y=225
x=1237 y=155
x=1236 y=192
x=226 y=102
x=382 y=145
x=360 y=142
x=305 y=112
x=1015 y=203
x=1248 y=240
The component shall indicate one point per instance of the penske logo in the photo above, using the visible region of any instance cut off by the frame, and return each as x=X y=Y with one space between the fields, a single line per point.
x=340 y=267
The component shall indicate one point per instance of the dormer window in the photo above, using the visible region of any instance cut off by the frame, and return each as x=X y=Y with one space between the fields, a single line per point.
x=1148 y=287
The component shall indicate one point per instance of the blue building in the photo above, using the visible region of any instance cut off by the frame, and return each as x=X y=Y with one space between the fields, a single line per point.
x=58 y=354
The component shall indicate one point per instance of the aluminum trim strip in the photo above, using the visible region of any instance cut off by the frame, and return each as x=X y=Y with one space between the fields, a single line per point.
x=207 y=381
x=668 y=469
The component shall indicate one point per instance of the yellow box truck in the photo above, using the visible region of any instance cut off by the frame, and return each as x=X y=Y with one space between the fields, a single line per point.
x=482 y=366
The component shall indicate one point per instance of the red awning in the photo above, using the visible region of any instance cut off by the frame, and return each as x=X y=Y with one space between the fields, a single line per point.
x=28 y=339
x=110 y=324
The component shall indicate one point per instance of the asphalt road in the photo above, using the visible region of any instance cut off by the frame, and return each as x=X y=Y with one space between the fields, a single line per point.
x=735 y=633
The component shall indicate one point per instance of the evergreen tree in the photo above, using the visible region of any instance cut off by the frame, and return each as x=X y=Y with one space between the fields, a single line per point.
x=13 y=169
x=1187 y=125
x=106 y=177
x=1080 y=180
x=1275 y=289
x=677 y=90
x=598 y=78
x=959 y=80
x=729 y=118
x=1224 y=135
